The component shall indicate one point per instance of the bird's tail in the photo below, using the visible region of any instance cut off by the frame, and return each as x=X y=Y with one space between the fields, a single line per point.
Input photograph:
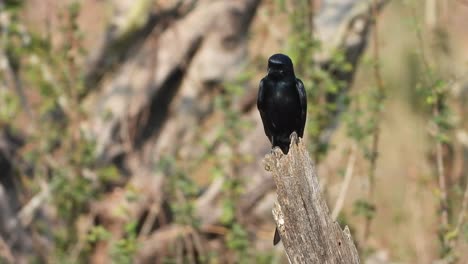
x=284 y=148
x=276 y=238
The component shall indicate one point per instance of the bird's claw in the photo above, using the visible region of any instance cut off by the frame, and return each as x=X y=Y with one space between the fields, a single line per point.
x=294 y=138
x=276 y=152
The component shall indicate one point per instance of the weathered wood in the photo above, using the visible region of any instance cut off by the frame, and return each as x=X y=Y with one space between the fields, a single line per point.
x=307 y=230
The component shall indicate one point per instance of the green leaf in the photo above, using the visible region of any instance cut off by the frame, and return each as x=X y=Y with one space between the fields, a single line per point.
x=364 y=208
x=98 y=233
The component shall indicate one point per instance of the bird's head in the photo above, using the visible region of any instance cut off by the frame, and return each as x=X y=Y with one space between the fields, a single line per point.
x=280 y=66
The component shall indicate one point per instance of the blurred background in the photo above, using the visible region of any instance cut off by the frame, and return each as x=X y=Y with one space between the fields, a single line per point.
x=129 y=131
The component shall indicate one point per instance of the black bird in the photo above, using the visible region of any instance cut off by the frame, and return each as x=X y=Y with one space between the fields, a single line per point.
x=282 y=103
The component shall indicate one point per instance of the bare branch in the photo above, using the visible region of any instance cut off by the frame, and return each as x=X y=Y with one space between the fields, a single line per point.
x=345 y=185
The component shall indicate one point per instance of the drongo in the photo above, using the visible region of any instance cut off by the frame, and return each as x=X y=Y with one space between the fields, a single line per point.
x=282 y=103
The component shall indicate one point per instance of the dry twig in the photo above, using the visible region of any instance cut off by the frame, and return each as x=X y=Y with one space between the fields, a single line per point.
x=345 y=185
x=377 y=113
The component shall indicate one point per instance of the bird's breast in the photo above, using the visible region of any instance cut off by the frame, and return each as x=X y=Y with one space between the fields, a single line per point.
x=283 y=95
x=283 y=106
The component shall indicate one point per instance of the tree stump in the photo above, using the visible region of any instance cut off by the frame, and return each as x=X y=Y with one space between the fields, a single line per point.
x=308 y=232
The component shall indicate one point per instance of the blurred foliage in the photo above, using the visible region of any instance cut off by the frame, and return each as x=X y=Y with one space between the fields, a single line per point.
x=122 y=250
x=183 y=191
x=64 y=155
x=325 y=93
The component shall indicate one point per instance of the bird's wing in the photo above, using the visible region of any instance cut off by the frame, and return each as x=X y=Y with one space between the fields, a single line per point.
x=303 y=101
x=261 y=109
x=261 y=96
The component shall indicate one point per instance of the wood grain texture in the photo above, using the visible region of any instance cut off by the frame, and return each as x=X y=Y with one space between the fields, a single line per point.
x=307 y=230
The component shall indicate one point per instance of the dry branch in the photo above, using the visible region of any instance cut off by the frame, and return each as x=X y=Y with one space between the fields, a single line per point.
x=345 y=185
x=308 y=232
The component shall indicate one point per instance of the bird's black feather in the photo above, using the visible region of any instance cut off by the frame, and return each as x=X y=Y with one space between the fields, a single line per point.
x=282 y=103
